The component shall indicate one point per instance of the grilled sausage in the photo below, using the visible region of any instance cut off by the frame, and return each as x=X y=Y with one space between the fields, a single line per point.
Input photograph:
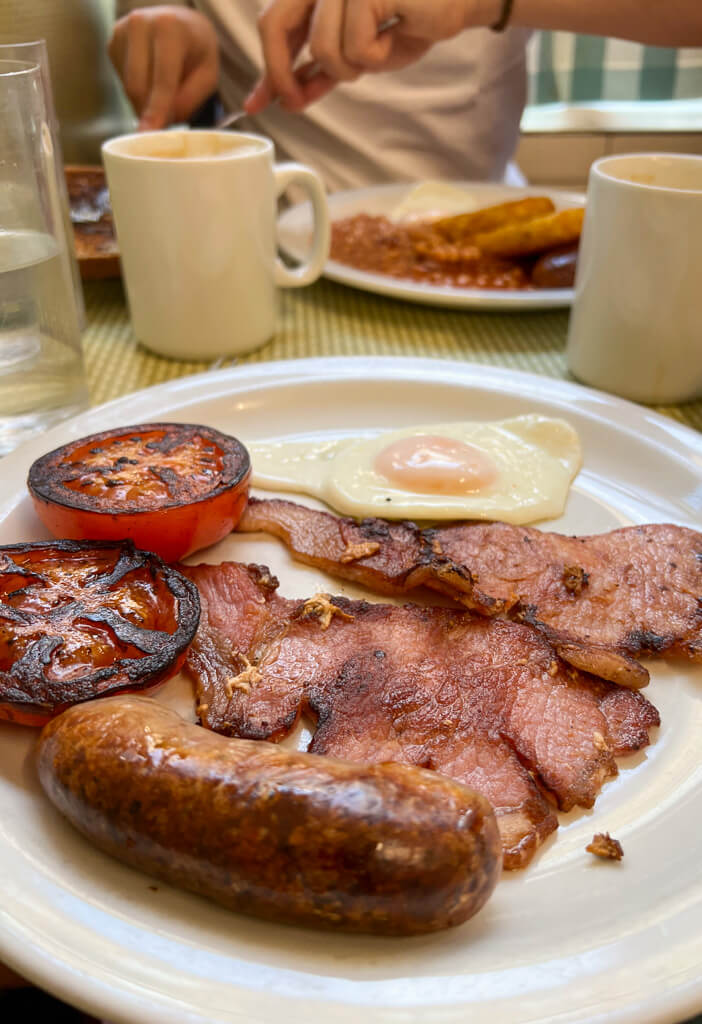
x=556 y=269
x=292 y=837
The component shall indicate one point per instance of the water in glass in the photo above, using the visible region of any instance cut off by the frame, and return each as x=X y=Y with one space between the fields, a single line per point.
x=41 y=367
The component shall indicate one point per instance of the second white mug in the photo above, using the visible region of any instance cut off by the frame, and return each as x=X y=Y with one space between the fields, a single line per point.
x=195 y=219
x=635 y=325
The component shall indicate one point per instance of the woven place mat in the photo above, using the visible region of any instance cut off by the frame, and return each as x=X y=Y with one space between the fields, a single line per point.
x=328 y=319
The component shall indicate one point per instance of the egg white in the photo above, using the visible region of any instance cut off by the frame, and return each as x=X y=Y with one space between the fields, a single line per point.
x=536 y=458
x=431 y=200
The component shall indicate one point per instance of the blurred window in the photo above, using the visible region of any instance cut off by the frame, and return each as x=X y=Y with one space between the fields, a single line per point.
x=564 y=68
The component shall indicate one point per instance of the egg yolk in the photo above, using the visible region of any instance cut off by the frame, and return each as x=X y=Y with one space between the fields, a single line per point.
x=435 y=465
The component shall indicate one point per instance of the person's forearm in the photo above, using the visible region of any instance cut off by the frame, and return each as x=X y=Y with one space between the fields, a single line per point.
x=655 y=22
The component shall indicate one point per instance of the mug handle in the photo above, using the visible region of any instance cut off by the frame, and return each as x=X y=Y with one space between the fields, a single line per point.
x=309 y=180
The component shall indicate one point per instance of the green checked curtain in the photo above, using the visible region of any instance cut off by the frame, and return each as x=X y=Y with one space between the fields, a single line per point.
x=565 y=68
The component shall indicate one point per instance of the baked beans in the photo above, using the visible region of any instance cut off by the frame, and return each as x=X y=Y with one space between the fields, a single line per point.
x=375 y=244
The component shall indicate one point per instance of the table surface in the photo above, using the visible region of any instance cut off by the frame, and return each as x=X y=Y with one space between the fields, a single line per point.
x=327 y=319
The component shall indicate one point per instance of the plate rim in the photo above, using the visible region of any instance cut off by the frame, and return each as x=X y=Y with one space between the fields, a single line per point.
x=65 y=980
x=685 y=436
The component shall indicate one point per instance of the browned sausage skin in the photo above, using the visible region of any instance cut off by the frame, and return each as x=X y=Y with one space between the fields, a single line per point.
x=288 y=836
x=556 y=268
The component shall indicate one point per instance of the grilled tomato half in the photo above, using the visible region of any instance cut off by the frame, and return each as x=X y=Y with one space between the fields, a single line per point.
x=172 y=488
x=84 y=620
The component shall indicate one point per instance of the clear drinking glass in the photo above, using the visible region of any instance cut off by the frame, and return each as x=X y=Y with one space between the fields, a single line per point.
x=36 y=52
x=41 y=365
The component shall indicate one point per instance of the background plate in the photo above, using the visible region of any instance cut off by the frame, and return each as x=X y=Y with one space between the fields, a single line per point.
x=95 y=240
x=295 y=232
x=569 y=939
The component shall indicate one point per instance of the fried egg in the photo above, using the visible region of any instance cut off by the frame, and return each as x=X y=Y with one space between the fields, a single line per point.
x=517 y=470
x=432 y=199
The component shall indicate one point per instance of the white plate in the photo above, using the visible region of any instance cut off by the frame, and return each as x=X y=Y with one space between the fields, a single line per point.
x=295 y=231
x=569 y=939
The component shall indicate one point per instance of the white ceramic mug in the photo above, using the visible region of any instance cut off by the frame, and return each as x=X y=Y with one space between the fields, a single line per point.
x=636 y=324
x=195 y=219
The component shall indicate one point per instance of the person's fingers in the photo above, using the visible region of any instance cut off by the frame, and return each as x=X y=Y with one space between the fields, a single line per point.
x=345 y=37
x=137 y=60
x=261 y=96
x=364 y=44
x=313 y=87
x=405 y=50
x=264 y=92
x=368 y=43
x=317 y=86
x=167 y=58
x=168 y=49
x=198 y=84
x=282 y=27
x=326 y=37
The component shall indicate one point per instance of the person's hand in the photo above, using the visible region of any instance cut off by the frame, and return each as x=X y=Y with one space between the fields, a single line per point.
x=346 y=39
x=168 y=60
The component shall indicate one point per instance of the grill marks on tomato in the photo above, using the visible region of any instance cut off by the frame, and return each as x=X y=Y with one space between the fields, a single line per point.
x=81 y=620
x=148 y=468
x=172 y=488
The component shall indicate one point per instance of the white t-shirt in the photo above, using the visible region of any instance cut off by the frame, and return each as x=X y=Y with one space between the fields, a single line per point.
x=453 y=115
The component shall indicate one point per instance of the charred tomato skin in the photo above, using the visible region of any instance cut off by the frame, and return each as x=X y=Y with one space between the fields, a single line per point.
x=72 y=599
x=171 y=488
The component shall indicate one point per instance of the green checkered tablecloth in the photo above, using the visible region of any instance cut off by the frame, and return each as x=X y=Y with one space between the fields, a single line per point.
x=331 y=320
